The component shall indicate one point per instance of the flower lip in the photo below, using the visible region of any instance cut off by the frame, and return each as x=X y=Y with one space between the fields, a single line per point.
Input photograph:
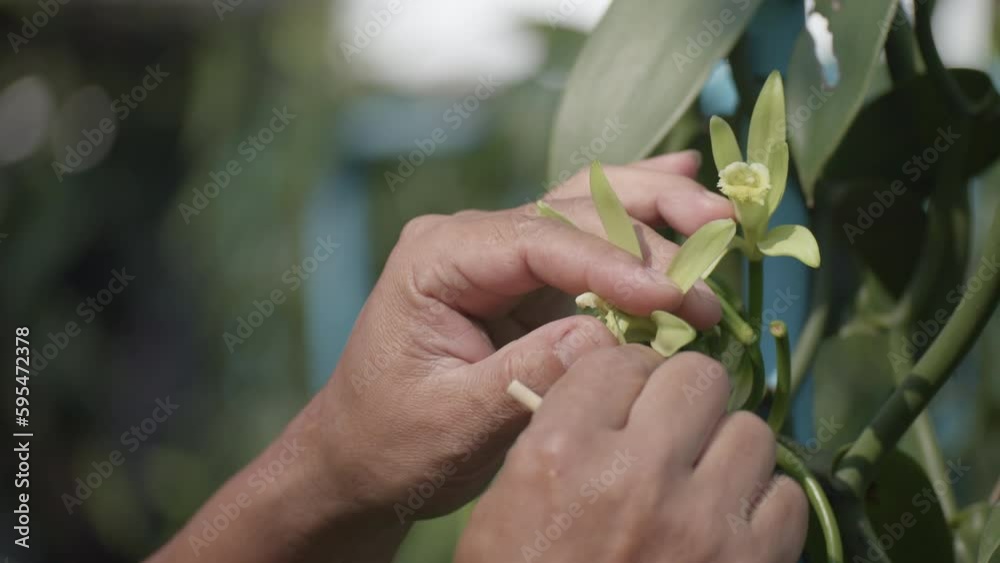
x=745 y=182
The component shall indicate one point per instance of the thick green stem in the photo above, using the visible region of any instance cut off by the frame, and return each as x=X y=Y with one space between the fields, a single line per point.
x=783 y=387
x=759 y=386
x=756 y=295
x=860 y=464
x=931 y=457
x=791 y=464
x=731 y=318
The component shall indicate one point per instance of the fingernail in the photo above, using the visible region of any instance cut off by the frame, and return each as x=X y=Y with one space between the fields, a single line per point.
x=714 y=198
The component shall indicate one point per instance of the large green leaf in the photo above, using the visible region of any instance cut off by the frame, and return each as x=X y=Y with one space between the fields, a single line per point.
x=883 y=229
x=853 y=377
x=617 y=223
x=967 y=529
x=906 y=514
x=891 y=134
x=989 y=542
x=819 y=116
x=638 y=72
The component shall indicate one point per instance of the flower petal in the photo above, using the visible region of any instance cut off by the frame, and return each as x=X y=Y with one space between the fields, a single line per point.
x=616 y=221
x=672 y=333
x=546 y=210
x=777 y=165
x=700 y=252
x=767 y=124
x=791 y=240
x=725 y=149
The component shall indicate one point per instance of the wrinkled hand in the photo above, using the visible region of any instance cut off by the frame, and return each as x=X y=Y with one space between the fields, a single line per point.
x=638 y=467
x=470 y=301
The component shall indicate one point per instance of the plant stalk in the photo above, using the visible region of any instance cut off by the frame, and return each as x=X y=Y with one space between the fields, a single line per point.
x=930 y=450
x=756 y=295
x=860 y=464
x=783 y=387
x=791 y=464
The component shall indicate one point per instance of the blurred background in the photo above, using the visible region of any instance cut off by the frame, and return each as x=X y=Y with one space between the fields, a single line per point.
x=167 y=166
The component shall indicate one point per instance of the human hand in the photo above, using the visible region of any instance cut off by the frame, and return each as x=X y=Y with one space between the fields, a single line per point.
x=635 y=467
x=470 y=301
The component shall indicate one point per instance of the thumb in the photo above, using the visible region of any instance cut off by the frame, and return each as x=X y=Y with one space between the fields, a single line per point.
x=683 y=163
x=537 y=359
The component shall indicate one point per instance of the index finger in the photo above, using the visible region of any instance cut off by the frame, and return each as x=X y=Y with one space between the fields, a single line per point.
x=481 y=265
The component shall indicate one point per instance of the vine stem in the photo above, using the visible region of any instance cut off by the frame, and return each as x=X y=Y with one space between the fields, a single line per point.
x=860 y=464
x=935 y=67
x=783 y=386
x=791 y=464
x=756 y=291
x=927 y=442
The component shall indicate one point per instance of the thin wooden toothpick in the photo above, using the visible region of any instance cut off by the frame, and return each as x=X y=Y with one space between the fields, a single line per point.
x=524 y=395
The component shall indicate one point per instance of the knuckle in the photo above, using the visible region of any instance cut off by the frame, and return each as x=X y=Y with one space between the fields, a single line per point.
x=627 y=358
x=542 y=455
x=702 y=372
x=419 y=226
x=754 y=433
x=699 y=531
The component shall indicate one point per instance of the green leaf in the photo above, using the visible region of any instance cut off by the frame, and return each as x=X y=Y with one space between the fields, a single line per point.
x=725 y=149
x=989 y=542
x=700 y=252
x=791 y=240
x=672 y=333
x=819 y=115
x=967 y=529
x=546 y=210
x=767 y=124
x=616 y=221
x=777 y=166
x=853 y=377
x=888 y=242
x=638 y=72
x=904 y=122
x=901 y=503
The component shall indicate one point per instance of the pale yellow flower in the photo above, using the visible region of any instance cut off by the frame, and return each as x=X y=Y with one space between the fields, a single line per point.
x=746 y=183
